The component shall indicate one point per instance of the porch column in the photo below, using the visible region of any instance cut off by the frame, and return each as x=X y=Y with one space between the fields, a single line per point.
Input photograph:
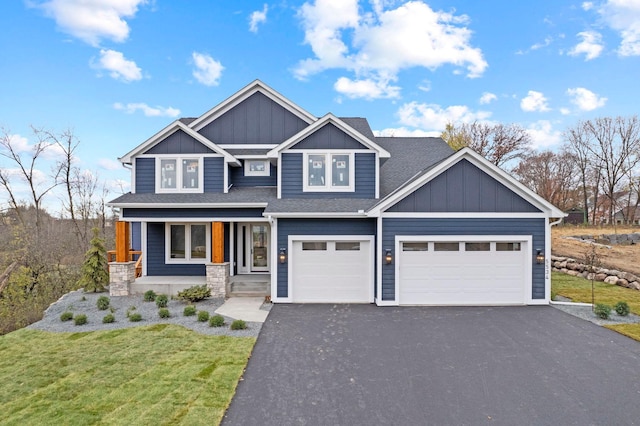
x=217 y=242
x=122 y=272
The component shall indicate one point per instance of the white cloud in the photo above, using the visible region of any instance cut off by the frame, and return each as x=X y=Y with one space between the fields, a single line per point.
x=109 y=164
x=543 y=135
x=591 y=45
x=435 y=118
x=404 y=132
x=258 y=17
x=94 y=20
x=624 y=16
x=565 y=111
x=148 y=111
x=425 y=86
x=585 y=99
x=587 y=5
x=534 y=101
x=487 y=97
x=547 y=41
x=366 y=88
x=119 y=67
x=208 y=71
x=21 y=145
x=378 y=44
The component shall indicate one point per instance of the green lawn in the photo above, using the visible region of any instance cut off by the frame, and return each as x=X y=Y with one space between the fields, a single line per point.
x=579 y=290
x=161 y=374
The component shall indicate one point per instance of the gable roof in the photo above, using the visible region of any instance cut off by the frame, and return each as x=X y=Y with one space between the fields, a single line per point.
x=341 y=125
x=245 y=93
x=168 y=131
x=483 y=164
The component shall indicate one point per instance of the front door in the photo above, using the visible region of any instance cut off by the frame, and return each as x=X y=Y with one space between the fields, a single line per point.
x=253 y=247
x=259 y=248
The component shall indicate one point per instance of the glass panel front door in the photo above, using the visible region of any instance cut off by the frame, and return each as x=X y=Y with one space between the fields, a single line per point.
x=259 y=248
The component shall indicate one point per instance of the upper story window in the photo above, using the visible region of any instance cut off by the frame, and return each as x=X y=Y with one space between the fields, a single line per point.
x=328 y=172
x=257 y=168
x=179 y=174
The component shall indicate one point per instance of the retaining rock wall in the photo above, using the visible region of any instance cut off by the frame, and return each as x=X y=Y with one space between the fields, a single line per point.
x=574 y=267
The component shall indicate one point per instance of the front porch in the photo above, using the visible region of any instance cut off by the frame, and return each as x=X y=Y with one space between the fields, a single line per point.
x=249 y=285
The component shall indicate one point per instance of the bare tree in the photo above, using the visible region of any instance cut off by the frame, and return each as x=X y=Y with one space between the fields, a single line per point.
x=577 y=142
x=498 y=143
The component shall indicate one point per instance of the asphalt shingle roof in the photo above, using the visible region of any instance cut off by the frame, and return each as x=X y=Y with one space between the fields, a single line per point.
x=235 y=195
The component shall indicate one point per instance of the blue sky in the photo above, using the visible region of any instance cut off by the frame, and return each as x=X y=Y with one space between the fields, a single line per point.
x=118 y=71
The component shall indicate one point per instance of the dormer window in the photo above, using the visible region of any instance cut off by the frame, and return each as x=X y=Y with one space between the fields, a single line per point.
x=328 y=172
x=179 y=174
x=257 y=168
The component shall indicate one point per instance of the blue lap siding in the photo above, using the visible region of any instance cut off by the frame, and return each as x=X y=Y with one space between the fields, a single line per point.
x=414 y=226
x=208 y=214
x=238 y=180
x=288 y=227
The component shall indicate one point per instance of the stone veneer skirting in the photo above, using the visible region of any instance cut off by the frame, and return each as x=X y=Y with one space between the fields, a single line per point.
x=574 y=267
x=121 y=276
x=218 y=278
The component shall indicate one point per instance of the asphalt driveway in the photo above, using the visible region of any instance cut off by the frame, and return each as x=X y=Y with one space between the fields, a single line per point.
x=368 y=365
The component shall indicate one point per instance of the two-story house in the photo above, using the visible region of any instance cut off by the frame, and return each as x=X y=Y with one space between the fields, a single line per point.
x=322 y=210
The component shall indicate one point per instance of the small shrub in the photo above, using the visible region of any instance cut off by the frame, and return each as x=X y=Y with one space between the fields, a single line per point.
x=80 y=319
x=149 y=296
x=622 y=309
x=164 y=313
x=238 y=325
x=103 y=303
x=189 y=311
x=602 y=311
x=84 y=299
x=66 y=316
x=135 y=317
x=216 y=321
x=108 y=319
x=203 y=316
x=162 y=300
x=130 y=311
x=195 y=293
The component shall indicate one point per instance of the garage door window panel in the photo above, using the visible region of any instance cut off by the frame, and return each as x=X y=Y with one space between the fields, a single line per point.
x=508 y=246
x=347 y=246
x=415 y=246
x=314 y=246
x=477 y=246
x=446 y=246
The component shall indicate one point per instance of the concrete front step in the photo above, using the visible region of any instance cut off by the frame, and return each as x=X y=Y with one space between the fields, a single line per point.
x=250 y=289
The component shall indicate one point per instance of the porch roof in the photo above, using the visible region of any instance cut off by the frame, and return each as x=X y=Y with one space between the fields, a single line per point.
x=236 y=196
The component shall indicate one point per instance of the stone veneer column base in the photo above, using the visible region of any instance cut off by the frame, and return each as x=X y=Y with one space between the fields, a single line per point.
x=218 y=278
x=121 y=276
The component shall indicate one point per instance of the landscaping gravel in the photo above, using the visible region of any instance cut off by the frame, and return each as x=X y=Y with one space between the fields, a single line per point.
x=78 y=302
x=586 y=313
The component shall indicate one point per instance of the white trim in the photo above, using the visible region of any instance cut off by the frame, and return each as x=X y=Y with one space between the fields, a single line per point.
x=328 y=171
x=323 y=150
x=377 y=166
x=275 y=263
x=193 y=219
x=326 y=119
x=528 y=239
x=187 y=243
x=464 y=215
x=292 y=238
x=265 y=146
x=339 y=215
x=143 y=247
x=242 y=95
x=168 y=131
x=179 y=159
x=232 y=248
x=279 y=176
x=378 y=262
x=484 y=165
x=247 y=167
x=133 y=177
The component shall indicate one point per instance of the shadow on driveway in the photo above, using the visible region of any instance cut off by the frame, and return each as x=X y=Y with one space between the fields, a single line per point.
x=362 y=364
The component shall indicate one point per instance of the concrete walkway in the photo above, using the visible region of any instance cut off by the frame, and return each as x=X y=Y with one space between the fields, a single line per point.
x=244 y=308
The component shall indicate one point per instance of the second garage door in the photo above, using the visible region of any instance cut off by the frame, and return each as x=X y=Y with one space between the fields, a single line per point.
x=489 y=272
x=331 y=271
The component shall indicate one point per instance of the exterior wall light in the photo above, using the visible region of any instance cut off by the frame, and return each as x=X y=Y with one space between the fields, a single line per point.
x=539 y=256
x=388 y=257
x=282 y=256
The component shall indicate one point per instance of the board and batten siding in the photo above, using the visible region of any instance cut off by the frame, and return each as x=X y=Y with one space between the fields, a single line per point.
x=288 y=227
x=239 y=180
x=136 y=236
x=179 y=143
x=145 y=175
x=204 y=213
x=291 y=181
x=256 y=120
x=463 y=188
x=328 y=137
x=420 y=226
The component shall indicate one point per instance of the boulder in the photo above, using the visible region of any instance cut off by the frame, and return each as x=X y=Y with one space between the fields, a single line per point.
x=599 y=277
x=635 y=285
x=573 y=273
x=622 y=282
x=611 y=279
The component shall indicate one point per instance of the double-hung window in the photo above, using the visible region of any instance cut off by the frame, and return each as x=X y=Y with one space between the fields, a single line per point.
x=179 y=174
x=187 y=242
x=328 y=172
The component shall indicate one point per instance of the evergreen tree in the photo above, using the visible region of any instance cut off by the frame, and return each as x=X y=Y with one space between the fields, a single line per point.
x=94 y=269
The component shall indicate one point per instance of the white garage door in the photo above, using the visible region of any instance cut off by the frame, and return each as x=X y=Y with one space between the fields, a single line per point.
x=331 y=271
x=463 y=272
